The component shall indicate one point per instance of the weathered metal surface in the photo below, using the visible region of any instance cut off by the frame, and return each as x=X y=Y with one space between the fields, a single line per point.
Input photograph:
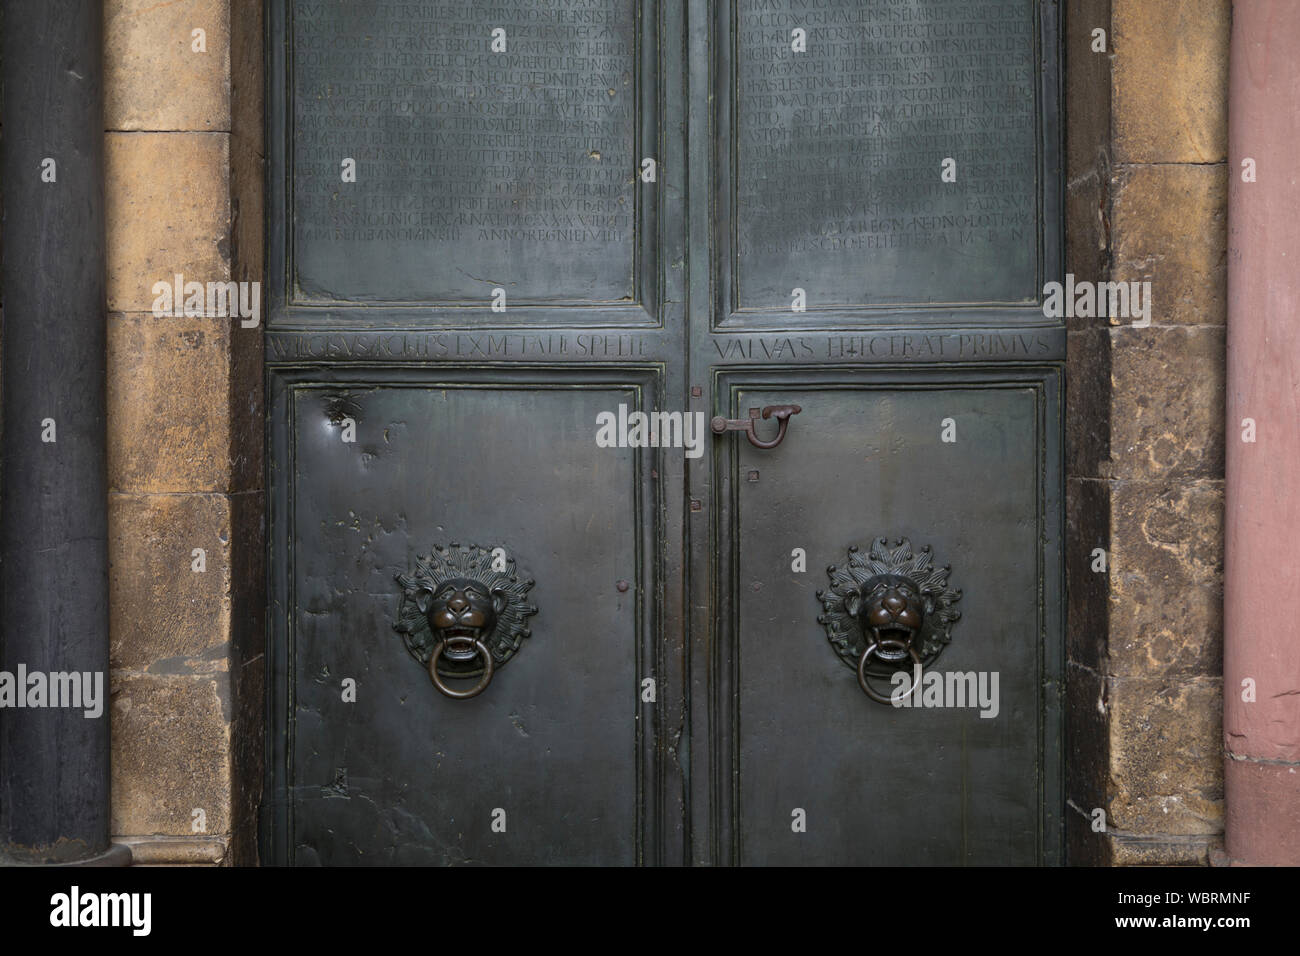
x=901 y=171
x=818 y=295
x=484 y=160
x=909 y=132
x=962 y=778
x=397 y=773
x=817 y=261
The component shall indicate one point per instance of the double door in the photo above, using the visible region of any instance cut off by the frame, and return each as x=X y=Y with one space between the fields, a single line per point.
x=664 y=433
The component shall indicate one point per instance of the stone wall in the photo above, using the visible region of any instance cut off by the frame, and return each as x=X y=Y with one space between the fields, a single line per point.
x=183 y=195
x=1146 y=131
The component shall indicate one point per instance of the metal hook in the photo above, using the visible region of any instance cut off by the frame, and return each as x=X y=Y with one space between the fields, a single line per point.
x=781 y=413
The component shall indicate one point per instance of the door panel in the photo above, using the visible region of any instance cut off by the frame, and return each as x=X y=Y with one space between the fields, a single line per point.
x=878 y=784
x=838 y=151
x=403 y=774
x=852 y=278
x=494 y=277
x=481 y=161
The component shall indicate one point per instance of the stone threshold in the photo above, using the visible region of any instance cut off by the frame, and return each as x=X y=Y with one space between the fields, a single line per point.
x=174 y=850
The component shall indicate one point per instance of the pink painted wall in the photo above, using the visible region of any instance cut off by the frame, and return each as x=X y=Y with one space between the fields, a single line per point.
x=1262 y=563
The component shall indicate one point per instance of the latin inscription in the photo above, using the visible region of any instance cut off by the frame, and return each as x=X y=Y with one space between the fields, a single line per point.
x=757 y=349
x=475 y=168
x=904 y=346
x=840 y=152
x=455 y=345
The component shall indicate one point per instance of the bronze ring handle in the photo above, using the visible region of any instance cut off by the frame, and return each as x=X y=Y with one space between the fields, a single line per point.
x=483 y=652
x=781 y=413
x=862 y=670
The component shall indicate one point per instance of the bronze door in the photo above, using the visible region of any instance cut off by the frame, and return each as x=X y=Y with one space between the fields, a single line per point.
x=468 y=272
x=885 y=212
x=528 y=607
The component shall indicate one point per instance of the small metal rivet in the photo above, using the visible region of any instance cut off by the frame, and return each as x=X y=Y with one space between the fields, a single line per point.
x=697 y=504
x=753 y=476
x=622 y=585
x=696 y=391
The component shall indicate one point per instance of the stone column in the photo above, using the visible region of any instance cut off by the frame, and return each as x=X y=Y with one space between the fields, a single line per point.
x=1146 y=136
x=1261 y=707
x=183 y=114
x=54 y=748
x=55 y=729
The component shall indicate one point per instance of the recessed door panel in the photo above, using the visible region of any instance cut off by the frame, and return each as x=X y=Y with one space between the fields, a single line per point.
x=544 y=765
x=967 y=772
x=442 y=151
x=892 y=159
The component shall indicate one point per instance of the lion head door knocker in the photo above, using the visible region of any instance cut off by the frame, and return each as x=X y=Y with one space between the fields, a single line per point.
x=463 y=614
x=888 y=610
